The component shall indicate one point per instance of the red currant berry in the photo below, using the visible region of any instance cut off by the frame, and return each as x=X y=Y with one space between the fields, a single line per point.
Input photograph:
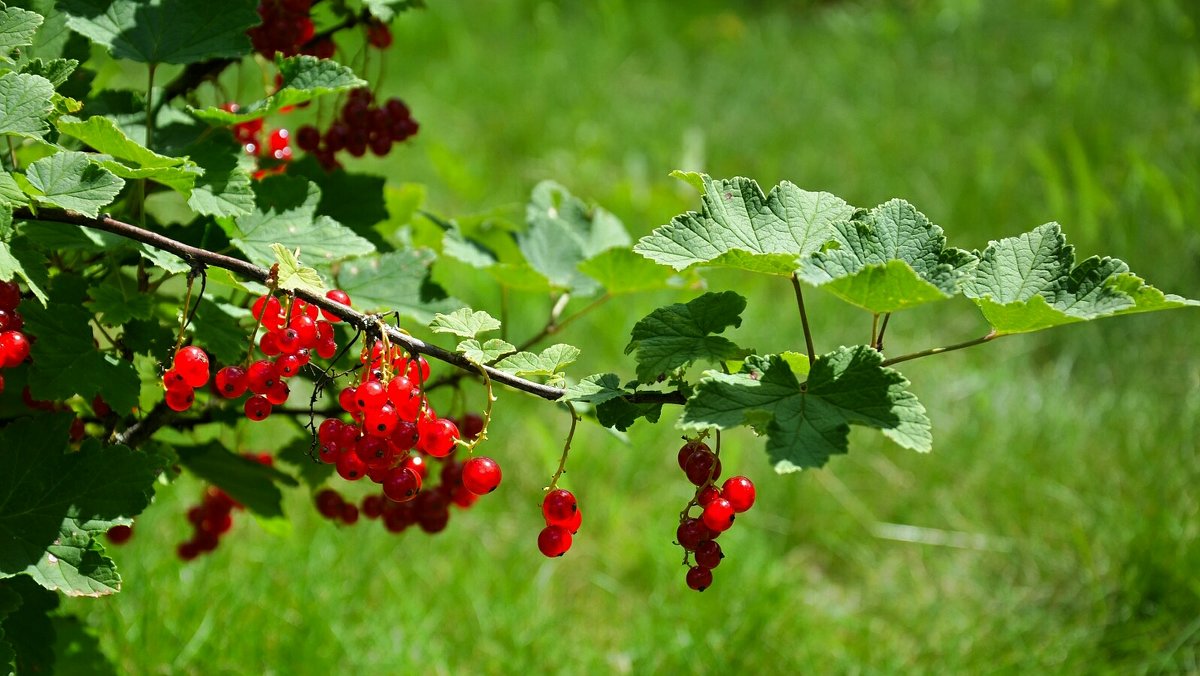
x=718 y=515
x=349 y=513
x=402 y=484
x=739 y=491
x=417 y=464
x=347 y=400
x=269 y=344
x=180 y=397
x=329 y=503
x=14 y=348
x=278 y=393
x=370 y=395
x=688 y=449
x=257 y=408
x=11 y=320
x=306 y=328
x=707 y=495
x=119 y=535
x=338 y=296
x=261 y=376
x=328 y=431
x=702 y=466
x=692 y=532
x=192 y=363
x=554 y=541
x=231 y=382
x=10 y=295
x=699 y=578
x=349 y=466
x=288 y=365
x=709 y=554
x=438 y=437
x=269 y=311
x=418 y=371
x=481 y=475
x=559 y=507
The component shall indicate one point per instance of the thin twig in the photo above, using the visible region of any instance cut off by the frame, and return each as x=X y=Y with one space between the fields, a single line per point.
x=562 y=460
x=808 y=341
x=882 y=330
x=992 y=335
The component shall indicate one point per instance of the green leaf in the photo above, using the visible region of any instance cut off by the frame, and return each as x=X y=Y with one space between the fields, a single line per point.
x=247 y=481
x=28 y=627
x=311 y=471
x=18 y=259
x=1030 y=282
x=739 y=227
x=293 y=276
x=66 y=363
x=10 y=600
x=71 y=181
x=165 y=31
x=806 y=423
x=397 y=280
x=487 y=352
x=76 y=650
x=889 y=259
x=464 y=322
x=102 y=134
x=224 y=189
x=677 y=335
x=119 y=301
x=619 y=414
x=25 y=102
x=548 y=363
x=595 y=389
x=621 y=271
x=10 y=192
x=53 y=504
x=304 y=78
x=285 y=213
x=57 y=71
x=386 y=10
x=217 y=326
x=563 y=232
x=17 y=27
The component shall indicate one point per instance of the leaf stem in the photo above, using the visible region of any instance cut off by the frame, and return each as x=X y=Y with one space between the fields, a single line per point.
x=808 y=341
x=874 y=327
x=992 y=335
x=879 y=339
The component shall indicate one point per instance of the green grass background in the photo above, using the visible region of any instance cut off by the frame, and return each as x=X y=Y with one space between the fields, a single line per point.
x=1056 y=521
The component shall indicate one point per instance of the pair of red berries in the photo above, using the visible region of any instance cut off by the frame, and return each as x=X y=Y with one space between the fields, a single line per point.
x=14 y=344
x=560 y=509
x=189 y=370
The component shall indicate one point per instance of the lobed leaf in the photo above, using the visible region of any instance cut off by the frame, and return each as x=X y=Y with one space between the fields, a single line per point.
x=70 y=180
x=25 y=102
x=676 y=335
x=548 y=363
x=293 y=276
x=18 y=259
x=889 y=259
x=621 y=271
x=397 y=280
x=1031 y=282
x=485 y=353
x=66 y=363
x=595 y=389
x=740 y=227
x=56 y=71
x=808 y=422
x=464 y=322
x=563 y=232
x=165 y=31
x=17 y=27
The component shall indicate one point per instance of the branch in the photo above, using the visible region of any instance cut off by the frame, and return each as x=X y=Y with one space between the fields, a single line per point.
x=196 y=256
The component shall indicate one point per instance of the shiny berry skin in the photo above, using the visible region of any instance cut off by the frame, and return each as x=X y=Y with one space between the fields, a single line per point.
x=11 y=320
x=338 y=296
x=708 y=554
x=347 y=401
x=402 y=484
x=306 y=328
x=257 y=408
x=417 y=464
x=701 y=466
x=14 y=348
x=192 y=363
x=269 y=344
x=437 y=437
x=173 y=378
x=231 y=382
x=370 y=395
x=261 y=376
x=707 y=495
x=739 y=491
x=559 y=507
x=268 y=309
x=288 y=341
x=481 y=475
x=119 y=535
x=288 y=365
x=691 y=533
x=180 y=398
x=718 y=515
x=418 y=370
x=381 y=422
x=278 y=393
x=688 y=449
x=699 y=578
x=554 y=541
x=328 y=430
x=10 y=295
x=349 y=466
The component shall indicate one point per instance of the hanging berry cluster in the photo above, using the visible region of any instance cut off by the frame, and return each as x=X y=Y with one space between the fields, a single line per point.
x=560 y=509
x=272 y=155
x=362 y=125
x=14 y=344
x=212 y=518
x=286 y=28
x=698 y=535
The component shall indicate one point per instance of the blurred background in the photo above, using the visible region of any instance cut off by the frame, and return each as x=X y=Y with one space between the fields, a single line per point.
x=1055 y=525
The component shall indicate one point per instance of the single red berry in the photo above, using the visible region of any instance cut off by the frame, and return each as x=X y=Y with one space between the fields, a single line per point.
x=404 y=437
x=575 y=522
x=329 y=503
x=699 y=578
x=554 y=541
x=417 y=464
x=718 y=515
x=278 y=393
x=702 y=466
x=559 y=507
x=192 y=363
x=402 y=484
x=481 y=475
x=739 y=491
x=180 y=397
x=437 y=438
x=339 y=296
x=382 y=421
x=418 y=371
x=372 y=506
x=231 y=382
x=347 y=400
x=349 y=466
x=375 y=452
x=10 y=295
x=709 y=554
x=269 y=344
x=257 y=408
x=119 y=535
x=688 y=449
x=288 y=341
x=288 y=365
x=370 y=395
x=349 y=513
x=306 y=328
x=692 y=532
x=14 y=348
x=378 y=35
x=308 y=138
x=261 y=376
x=328 y=431
x=268 y=309
x=707 y=495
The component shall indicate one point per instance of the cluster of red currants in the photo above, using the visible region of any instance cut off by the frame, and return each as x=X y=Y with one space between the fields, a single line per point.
x=189 y=370
x=212 y=518
x=287 y=28
x=14 y=344
x=273 y=155
x=563 y=518
x=362 y=125
x=698 y=535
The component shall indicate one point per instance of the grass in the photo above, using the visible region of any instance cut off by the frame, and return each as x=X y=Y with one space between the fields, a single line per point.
x=1055 y=526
